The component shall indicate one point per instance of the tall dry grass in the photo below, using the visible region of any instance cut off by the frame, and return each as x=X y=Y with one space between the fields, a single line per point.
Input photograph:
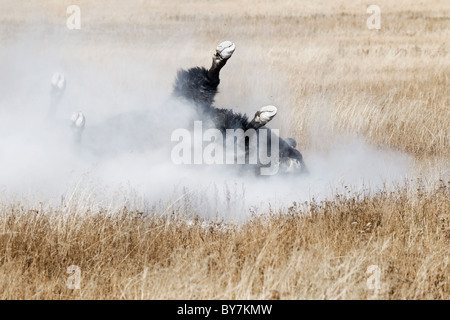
x=322 y=251
x=331 y=76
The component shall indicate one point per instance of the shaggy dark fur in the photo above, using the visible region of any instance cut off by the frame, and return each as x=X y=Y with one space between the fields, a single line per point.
x=194 y=85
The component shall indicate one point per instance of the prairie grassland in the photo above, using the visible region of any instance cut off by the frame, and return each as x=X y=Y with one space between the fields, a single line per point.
x=330 y=76
x=321 y=253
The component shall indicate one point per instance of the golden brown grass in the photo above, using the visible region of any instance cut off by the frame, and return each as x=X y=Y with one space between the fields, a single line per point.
x=322 y=252
x=330 y=75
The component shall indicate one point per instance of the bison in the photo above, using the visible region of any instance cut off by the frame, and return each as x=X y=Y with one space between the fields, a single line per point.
x=198 y=86
x=194 y=90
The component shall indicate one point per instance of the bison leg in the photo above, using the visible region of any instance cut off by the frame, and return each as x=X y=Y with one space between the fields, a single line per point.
x=78 y=122
x=199 y=85
x=58 y=85
x=223 y=52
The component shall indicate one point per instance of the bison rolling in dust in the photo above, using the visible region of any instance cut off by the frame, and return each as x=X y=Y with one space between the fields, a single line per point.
x=199 y=87
x=194 y=90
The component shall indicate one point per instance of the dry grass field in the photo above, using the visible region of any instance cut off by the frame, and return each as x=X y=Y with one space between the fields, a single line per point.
x=322 y=253
x=330 y=76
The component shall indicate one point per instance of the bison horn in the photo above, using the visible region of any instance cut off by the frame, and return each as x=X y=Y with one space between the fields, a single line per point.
x=291 y=142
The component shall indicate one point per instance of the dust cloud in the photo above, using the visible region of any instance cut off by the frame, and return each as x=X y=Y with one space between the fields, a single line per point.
x=124 y=155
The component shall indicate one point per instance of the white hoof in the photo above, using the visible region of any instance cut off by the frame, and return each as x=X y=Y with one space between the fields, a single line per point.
x=78 y=120
x=58 y=81
x=225 y=49
x=264 y=115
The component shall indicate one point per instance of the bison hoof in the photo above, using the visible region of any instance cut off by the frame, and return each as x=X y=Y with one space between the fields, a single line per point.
x=78 y=120
x=58 y=82
x=265 y=114
x=225 y=49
